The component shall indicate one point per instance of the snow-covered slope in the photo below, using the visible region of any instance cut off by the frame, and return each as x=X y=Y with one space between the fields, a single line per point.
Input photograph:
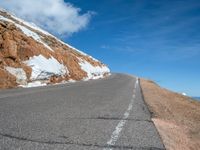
x=30 y=56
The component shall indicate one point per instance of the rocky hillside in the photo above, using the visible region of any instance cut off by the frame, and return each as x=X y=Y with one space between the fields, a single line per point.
x=30 y=56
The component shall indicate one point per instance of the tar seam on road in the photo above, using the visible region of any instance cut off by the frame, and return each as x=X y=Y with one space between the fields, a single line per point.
x=116 y=133
x=109 y=118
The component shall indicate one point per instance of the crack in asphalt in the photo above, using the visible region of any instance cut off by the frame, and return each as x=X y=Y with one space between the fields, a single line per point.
x=76 y=143
x=111 y=118
x=129 y=119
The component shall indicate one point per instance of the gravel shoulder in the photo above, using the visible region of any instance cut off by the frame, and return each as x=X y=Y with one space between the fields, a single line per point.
x=176 y=117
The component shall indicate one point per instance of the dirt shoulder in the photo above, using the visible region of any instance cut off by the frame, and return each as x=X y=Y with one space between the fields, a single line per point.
x=176 y=117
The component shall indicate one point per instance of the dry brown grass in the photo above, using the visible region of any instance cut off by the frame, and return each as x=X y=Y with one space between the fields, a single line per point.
x=176 y=117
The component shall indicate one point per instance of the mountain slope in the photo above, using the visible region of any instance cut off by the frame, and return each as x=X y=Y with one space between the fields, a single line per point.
x=32 y=56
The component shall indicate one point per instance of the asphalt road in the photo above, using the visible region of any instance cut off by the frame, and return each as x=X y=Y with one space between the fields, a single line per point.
x=102 y=114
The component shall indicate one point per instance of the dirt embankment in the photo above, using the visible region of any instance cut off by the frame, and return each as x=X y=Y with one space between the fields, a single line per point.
x=176 y=117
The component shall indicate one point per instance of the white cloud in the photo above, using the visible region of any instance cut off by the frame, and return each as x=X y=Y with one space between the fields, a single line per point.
x=55 y=16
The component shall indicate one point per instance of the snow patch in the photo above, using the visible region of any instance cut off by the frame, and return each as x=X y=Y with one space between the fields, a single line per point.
x=32 y=34
x=43 y=68
x=26 y=31
x=71 y=81
x=184 y=94
x=19 y=73
x=31 y=25
x=34 y=84
x=93 y=72
x=6 y=19
x=80 y=52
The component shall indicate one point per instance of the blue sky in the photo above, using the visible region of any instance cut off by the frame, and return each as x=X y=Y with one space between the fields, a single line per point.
x=154 y=39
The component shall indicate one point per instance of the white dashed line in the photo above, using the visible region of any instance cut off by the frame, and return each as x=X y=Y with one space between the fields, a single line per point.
x=116 y=133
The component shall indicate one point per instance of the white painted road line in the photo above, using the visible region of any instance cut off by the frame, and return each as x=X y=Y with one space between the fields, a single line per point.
x=116 y=133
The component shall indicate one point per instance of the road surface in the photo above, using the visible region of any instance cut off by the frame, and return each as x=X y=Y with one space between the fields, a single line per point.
x=105 y=114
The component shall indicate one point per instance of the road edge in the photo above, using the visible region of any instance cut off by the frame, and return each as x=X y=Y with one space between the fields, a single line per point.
x=151 y=113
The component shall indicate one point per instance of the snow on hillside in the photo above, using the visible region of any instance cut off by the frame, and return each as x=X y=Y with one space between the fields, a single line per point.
x=184 y=94
x=19 y=73
x=94 y=72
x=26 y=31
x=44 y=67
x=32 y=34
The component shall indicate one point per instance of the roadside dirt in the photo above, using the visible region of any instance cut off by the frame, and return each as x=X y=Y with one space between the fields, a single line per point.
x=176 y=117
